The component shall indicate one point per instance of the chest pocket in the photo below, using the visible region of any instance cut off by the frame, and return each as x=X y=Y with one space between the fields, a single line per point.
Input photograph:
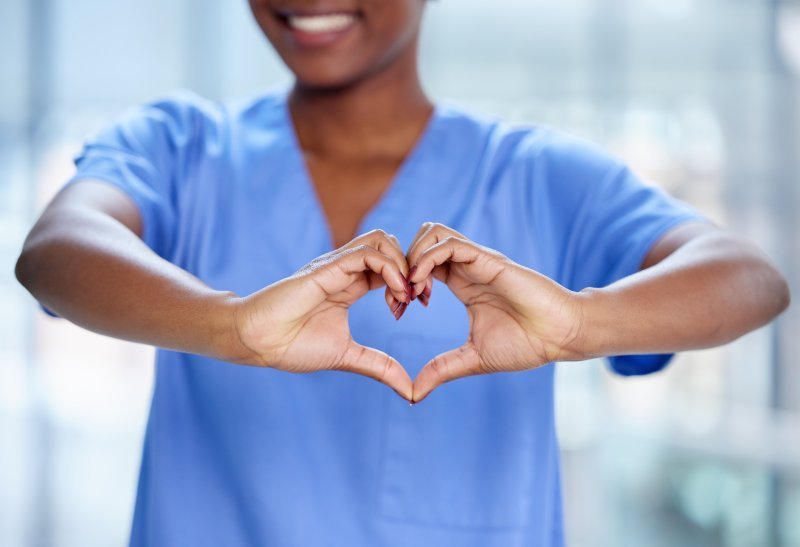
x=464 y=457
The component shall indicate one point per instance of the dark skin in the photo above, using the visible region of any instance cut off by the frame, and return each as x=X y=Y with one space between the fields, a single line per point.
x=367 y=88
x=699 y=285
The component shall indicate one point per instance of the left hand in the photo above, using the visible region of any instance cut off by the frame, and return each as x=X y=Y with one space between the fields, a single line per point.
x=518 y=318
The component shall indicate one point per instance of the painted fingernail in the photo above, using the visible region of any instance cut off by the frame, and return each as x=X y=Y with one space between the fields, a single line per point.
x=427 y=291
x=400 y=311
x=396 y=307
x=423 y=299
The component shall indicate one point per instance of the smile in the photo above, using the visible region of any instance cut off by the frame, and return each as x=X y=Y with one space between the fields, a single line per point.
x=322 y=23
x=317 y=28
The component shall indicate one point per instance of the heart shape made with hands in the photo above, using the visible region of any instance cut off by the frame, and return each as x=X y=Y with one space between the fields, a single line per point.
x=518 y=318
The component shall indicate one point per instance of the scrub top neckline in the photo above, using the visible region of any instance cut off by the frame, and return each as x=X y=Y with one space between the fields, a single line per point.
x=393 y=191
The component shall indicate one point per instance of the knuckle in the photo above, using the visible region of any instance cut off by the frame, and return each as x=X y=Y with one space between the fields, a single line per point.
x=361 y=352
x=385 y=369
x=438 y=368
x=451 y=240
x=378 y=232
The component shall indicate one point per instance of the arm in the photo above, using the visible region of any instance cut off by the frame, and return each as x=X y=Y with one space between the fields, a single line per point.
x=699 y=287
x=84 y=260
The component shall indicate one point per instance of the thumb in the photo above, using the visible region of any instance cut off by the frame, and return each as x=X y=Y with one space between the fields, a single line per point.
x=378 y=366
x=450 y=365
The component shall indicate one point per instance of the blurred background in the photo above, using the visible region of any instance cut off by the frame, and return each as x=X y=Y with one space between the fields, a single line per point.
x=700 y=97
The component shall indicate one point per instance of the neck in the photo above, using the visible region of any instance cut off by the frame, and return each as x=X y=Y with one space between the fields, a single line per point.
x=380 y=115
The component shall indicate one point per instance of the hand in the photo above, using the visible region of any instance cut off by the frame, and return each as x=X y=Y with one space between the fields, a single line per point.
x=519 y=319
x=299 y=324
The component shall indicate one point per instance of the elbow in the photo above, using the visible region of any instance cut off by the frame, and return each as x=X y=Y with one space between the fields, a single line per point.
x=770 y=288
x=23 y=270
x=776 y=294
x=782 y=292
x=29 y=263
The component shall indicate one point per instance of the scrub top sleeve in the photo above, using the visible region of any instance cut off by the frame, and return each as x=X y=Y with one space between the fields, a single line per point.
x=145 y=153
x=624 y=218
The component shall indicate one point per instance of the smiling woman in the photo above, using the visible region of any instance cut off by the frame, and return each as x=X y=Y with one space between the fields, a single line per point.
x=256 y=233
x=330 y=44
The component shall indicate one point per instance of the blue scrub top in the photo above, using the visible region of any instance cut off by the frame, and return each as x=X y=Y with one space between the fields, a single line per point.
x=241 y=456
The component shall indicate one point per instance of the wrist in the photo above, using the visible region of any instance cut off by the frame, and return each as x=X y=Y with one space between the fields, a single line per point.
x=228 y=340
x=571 y=342
x=560 y=327
x=593 y=338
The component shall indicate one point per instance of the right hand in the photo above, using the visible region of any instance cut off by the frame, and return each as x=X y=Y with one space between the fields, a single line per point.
x=299 y=324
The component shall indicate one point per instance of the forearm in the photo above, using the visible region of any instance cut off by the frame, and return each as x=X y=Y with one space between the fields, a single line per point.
x=708 y=292
x=92 y=270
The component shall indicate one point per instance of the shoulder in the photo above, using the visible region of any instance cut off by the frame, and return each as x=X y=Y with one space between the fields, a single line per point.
x=169 y=120
x=550 y=155
x=561 y=158
x=180 y=107
x=184 y=119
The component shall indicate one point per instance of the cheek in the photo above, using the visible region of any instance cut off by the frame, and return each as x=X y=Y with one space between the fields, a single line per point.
x=393 y=27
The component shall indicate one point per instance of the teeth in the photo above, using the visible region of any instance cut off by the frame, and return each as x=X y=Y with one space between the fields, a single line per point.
x=321 y=23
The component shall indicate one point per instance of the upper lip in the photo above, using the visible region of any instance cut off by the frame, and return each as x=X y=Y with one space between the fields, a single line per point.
x=314 y=10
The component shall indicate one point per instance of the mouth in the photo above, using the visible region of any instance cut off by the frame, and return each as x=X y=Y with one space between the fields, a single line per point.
x=314 y=28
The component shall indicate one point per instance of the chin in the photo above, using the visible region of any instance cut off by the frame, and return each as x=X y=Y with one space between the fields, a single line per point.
x=325 y=77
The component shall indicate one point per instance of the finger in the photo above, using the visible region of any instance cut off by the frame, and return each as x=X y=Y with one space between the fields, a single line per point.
x=389 y=245
x=391 y=301
x=453 y=364
x=451 y=249
x=383 y=241
x=378 y=366
x=395 y=306
x=431 y=234
x=423 y=230
x=424 y=291
x=397 y=253
x=376 y=281
x=357 y=261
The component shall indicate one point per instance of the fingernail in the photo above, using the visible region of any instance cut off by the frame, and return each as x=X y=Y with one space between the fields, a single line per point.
x=427 y=291
x=401 y=311
x=395 y=308
x=423 y=299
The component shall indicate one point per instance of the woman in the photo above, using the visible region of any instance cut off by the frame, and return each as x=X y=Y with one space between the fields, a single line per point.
x=193 y=226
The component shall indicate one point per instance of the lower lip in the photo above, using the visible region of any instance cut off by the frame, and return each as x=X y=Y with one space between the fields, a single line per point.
x=319 y=39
